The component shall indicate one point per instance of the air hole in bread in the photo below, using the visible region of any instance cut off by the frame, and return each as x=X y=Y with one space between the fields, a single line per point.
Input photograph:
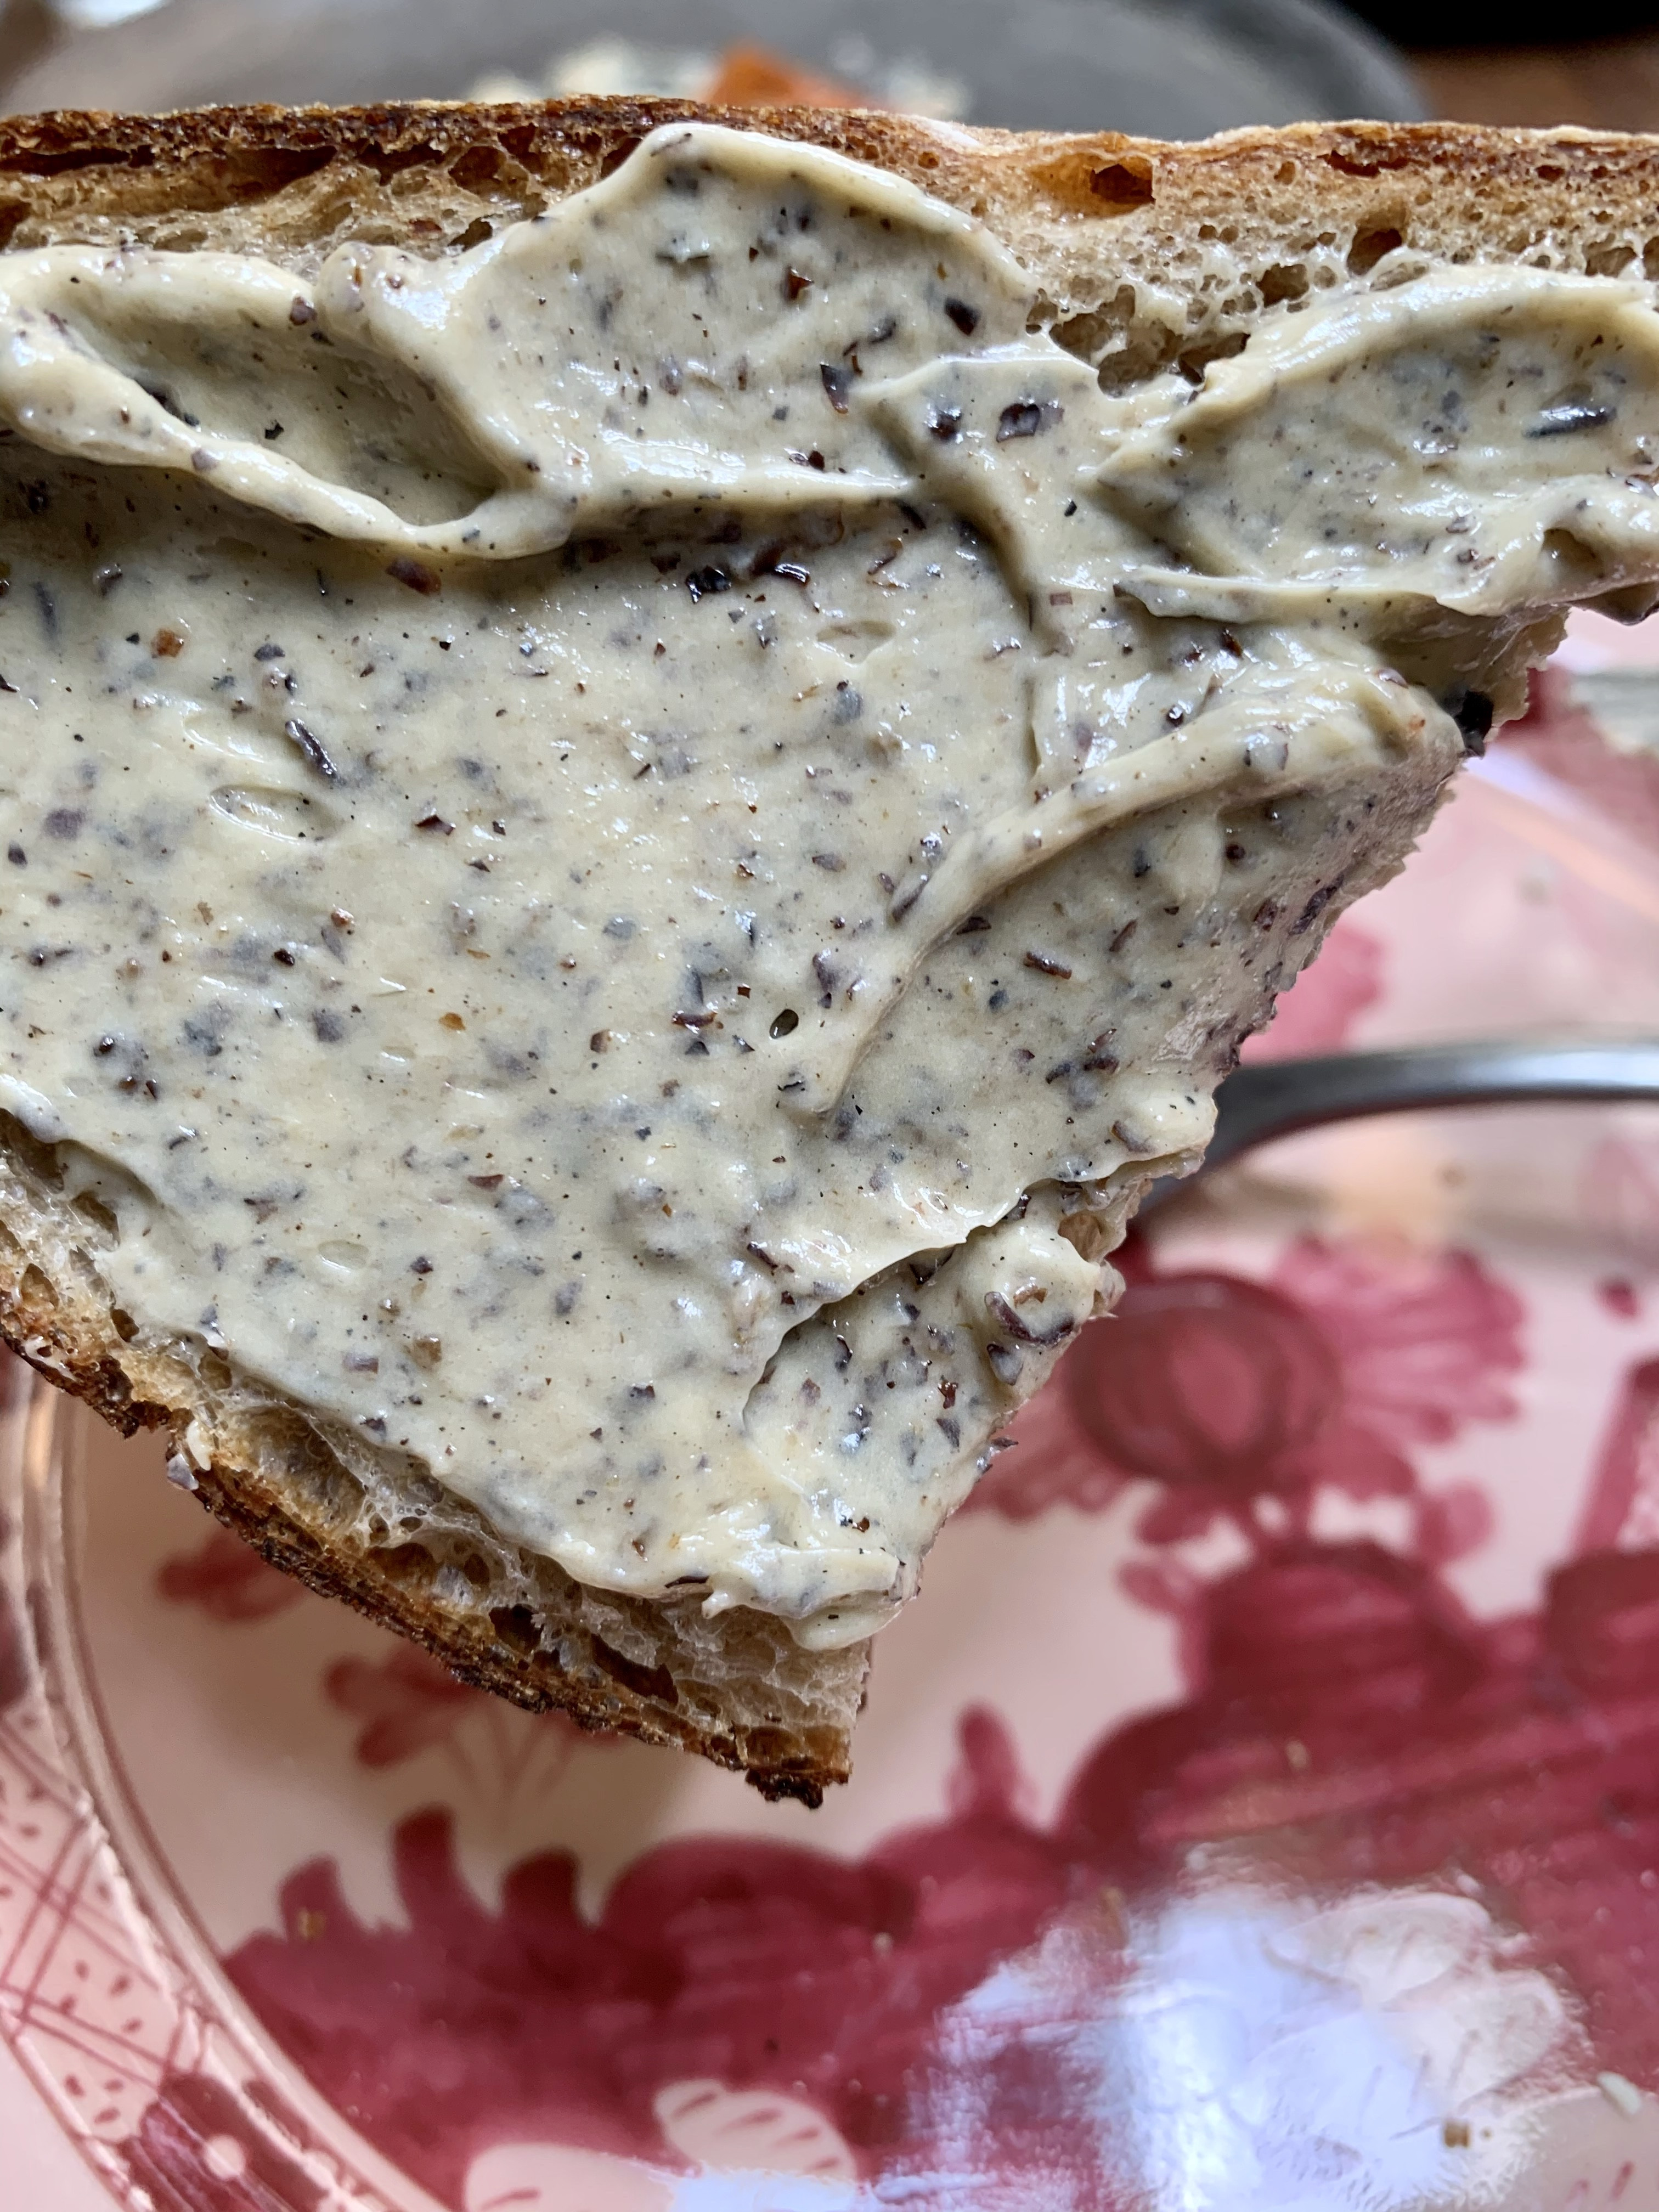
x=1122 y=185
x=389 y=161
x=1195 y=360
x=517 y=1628
x=99 y=1217
x=653 y=1682
x=1346 y=165
x=283 y=1440
x=617 y=155
x=411 y=1566
x=1609 y=257
x=1370 y=246
x=1089 y=336
x=258 y=172
x=41 y=1162
x=480 y=167
x=241 y=178
x=37 y=162
x=1285 y=280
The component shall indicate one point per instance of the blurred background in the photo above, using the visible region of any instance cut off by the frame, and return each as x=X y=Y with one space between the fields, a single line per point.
x=1165 y=68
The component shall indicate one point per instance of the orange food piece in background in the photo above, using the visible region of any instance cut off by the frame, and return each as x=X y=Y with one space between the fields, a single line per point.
x=753 y=77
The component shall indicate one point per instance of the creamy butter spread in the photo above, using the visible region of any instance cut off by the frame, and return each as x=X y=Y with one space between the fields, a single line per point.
x=618 y=840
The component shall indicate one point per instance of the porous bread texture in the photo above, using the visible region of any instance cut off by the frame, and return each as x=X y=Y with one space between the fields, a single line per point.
x=1140 y=256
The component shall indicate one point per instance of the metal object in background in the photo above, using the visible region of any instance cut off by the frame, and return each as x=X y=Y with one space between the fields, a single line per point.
x=1173 y=69
x=1279 y=1098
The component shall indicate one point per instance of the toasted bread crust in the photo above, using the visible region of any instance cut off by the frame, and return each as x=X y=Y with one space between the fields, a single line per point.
x=554 y=1656
x=1140 y=253
x=1088 y=211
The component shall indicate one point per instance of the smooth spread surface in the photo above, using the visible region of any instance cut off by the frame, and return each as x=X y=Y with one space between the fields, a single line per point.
x=615 y=830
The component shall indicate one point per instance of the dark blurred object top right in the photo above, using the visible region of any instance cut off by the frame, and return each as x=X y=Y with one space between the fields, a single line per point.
x=1480 y=64
x=1489 y=23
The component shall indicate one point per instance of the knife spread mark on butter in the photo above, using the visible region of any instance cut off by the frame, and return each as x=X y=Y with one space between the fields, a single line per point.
x=620 y=842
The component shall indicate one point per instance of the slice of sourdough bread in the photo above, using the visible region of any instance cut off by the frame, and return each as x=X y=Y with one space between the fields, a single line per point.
x=1141 y=257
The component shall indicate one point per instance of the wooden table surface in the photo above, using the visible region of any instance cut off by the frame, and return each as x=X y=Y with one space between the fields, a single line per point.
x=1613 y=83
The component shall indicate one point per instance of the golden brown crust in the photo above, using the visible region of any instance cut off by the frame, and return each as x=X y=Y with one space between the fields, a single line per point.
x=565 y=144
x=741 y=1694
x=1498 y=190
x=506 y=1651
x=1138 y=254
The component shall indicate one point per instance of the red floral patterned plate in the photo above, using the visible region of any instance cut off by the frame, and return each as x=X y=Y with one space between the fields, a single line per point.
x=1259 y=1812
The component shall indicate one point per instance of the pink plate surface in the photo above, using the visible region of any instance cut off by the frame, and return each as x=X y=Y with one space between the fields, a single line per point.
x=1260 y=1811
